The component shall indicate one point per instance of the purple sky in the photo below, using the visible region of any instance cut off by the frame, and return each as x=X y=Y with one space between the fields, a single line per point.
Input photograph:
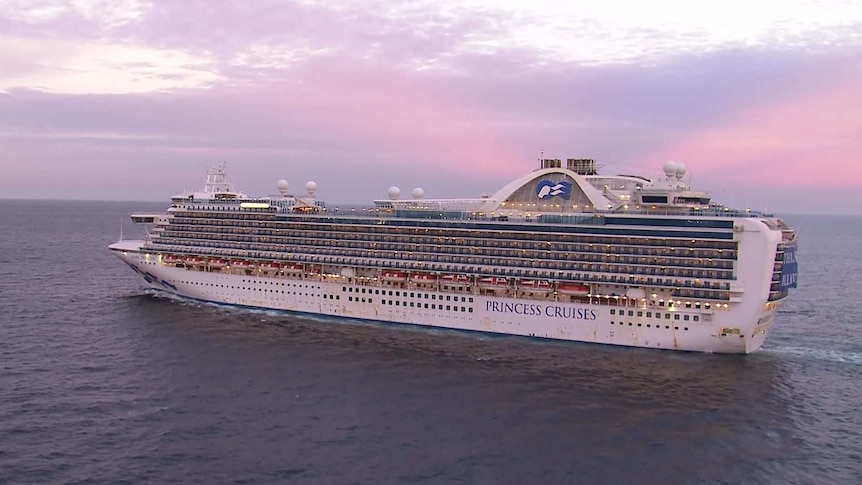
x=128 y=99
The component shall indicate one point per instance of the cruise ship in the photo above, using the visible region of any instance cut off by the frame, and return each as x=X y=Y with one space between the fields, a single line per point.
x=562 y=252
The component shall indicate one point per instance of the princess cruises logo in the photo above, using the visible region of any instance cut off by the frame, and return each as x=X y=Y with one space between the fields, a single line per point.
x=546 y=188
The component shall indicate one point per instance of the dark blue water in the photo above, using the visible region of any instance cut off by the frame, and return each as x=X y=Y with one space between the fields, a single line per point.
x=102 y=382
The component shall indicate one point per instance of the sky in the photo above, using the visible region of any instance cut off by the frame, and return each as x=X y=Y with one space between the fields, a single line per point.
x=134 y=99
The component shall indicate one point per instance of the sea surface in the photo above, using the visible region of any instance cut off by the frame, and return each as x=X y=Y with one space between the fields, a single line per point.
x=104 y=382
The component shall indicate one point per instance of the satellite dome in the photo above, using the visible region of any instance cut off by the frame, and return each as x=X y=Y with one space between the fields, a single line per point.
x=670 y=168
x=394 y=192
x=311 y=187
x=282 y=186
x=680 y=170
x=418 y=193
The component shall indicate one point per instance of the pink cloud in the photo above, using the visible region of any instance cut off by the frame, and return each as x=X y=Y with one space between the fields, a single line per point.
x=353 y=108
x=810 y=137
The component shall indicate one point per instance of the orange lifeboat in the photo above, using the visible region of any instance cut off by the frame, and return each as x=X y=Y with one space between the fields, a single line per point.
x=393 y=276
x=217 y=263
x=269 y=267
x=171 y=259
x=292 y=268
x=535 y=286
x=573 y=289
x=455 y=280
x=241 y=264
x=193 y=260
x=493 y=283
x=423 y=278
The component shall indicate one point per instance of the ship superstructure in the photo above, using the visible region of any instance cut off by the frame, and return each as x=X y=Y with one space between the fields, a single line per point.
x=562 y=252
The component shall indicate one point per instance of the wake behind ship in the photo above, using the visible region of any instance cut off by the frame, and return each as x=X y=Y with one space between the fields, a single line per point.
x=562 y=253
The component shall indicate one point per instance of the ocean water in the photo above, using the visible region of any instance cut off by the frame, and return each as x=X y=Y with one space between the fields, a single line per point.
x=104 y=382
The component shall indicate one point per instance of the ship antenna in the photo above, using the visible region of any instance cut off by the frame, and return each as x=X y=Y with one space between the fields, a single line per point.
x=121 y=229
x=541 y=157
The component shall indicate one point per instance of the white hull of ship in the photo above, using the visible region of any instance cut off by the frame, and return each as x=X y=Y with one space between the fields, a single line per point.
x=724 y=331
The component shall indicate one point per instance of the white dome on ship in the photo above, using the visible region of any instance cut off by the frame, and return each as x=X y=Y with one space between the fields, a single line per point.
x=680 y=170
x=394 y=192
x=311 y=187
x=282 y=186
x=418 y=193
x=670 y=168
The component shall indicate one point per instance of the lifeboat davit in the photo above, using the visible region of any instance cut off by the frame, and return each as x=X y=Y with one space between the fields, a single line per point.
x=573 y=289
x=493 y=283
x=393 y=276
x=217 y=263
x=423 y=278
x=292 y=268
x=455 y=280
x=269 y=267
x=535 y=286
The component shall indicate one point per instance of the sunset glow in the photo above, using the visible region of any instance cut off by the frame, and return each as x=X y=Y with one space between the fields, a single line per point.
x=759 y=99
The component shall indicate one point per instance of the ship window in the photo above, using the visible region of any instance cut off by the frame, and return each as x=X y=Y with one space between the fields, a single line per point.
x=448 y=298
x=640 y=314
x=412 y=295
x=631 y=313
x=613 y=312
x=343 y=288
x=470 y=310
x=397 y=303
x=455 y=308
x=639 y=325
x=471 y=299
x=390 y=292
x=649 y=314
x=448 y=307
x=685 y=317
x=426 y=305
x=398 y=293
x=667 y=316
x=630 y=324
x=411 y=304
x=350 y=298
x=696 y=318
x=676 y=316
